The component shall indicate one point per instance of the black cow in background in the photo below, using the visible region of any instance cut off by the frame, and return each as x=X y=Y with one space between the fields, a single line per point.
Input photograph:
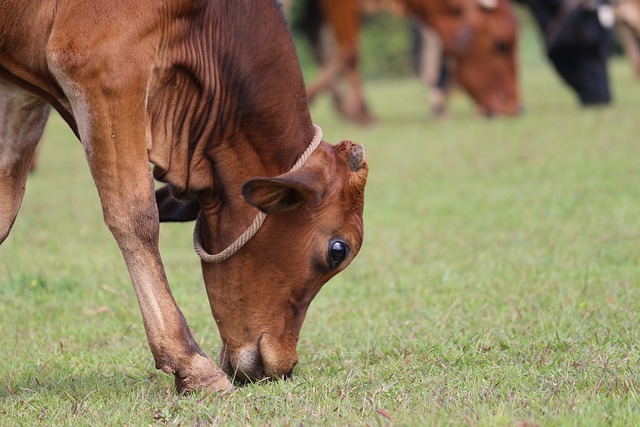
x=579 y=39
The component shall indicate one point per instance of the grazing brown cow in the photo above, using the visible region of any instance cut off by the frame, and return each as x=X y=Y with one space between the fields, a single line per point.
x=481 y=38
x=211 y=93
x=479 y=35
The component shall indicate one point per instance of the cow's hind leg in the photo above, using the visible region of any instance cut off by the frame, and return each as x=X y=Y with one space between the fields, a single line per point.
x=23 y=117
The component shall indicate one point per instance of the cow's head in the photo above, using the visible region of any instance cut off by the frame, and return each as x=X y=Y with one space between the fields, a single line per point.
x=259 y=296
x=481 y=35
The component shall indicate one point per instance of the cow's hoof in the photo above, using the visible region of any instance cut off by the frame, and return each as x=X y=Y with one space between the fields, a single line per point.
x=213 y=384
x=203 y=375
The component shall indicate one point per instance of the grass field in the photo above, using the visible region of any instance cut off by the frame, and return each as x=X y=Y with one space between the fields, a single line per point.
x=498 y=283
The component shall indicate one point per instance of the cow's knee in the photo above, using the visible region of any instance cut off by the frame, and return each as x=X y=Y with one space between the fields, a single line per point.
x=133 y=221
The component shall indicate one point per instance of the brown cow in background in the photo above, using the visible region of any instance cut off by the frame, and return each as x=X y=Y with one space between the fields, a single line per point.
x=480 y=37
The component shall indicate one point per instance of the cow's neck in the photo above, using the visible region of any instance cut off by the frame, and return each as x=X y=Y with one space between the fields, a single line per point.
x=228 y=102
x=231 y=92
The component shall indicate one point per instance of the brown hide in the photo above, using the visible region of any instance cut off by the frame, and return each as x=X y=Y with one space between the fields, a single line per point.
x=211 y=93
x=481 y=40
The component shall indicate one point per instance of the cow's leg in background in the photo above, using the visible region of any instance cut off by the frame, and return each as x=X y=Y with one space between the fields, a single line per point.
x=338 y=61
x=355 y=107
x=332 y=66
x=336 y=48
x=433 y=69
x=23 y=117
x=627 y=20
x=110 y=113
x=631 y=46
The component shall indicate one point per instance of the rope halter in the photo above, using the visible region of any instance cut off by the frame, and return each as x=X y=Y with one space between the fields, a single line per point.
x=259 y=219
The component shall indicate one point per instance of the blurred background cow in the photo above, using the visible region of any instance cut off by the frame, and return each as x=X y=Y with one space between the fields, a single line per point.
x=478 y=37
x=470 y=44
x=578 y=37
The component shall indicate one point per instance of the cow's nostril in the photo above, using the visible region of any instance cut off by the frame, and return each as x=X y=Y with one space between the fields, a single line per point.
x=288 y=374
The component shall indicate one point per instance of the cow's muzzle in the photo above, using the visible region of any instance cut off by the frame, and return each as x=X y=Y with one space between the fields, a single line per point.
x=267 y=359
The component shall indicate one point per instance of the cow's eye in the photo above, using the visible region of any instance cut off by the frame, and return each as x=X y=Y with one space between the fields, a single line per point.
x=338 y=252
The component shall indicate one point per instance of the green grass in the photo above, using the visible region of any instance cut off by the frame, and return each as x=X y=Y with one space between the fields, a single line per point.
x=498 y=283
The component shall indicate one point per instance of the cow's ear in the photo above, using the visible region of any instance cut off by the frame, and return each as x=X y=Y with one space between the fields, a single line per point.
x=284 y=192
x=171 y=209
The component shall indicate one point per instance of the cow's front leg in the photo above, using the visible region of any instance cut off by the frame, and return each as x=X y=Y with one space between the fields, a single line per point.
x=119 y=164
x=113 y=134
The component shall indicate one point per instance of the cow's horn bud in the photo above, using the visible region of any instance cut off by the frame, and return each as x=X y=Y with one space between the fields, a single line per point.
x=356 y=158
x=488 y=4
